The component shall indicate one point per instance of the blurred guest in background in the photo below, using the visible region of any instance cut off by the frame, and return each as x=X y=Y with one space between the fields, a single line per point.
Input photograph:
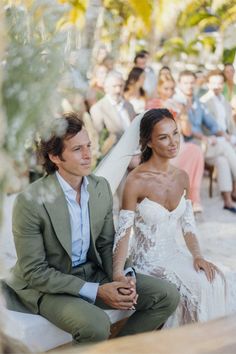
x=205 y=131
x=164 y=70
x=201 y=83
x=141 y=61
x=219 y=106
x=229 y=86
x=112 y=112
x=133 y=91
x=96 y=89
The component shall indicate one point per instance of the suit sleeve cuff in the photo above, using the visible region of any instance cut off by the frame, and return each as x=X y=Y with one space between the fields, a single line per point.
x=89 y=292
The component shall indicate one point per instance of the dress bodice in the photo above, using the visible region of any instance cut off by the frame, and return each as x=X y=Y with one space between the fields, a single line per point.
x=155 y=231
x=154 y=213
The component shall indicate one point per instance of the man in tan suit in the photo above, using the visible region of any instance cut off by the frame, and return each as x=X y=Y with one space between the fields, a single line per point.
x=63 y=232
x=112 y=112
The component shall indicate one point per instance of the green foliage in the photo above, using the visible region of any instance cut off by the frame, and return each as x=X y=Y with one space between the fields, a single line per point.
x=229 y=55
x=199 y=16
x=206 y=13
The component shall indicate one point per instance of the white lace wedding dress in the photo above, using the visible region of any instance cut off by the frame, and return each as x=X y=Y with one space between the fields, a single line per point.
x=154 y=250
x=154 y=246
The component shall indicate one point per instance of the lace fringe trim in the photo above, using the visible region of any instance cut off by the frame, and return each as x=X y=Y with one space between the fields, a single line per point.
x=189 y=301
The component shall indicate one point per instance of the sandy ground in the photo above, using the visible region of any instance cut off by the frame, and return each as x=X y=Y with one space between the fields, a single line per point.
x=217 y=230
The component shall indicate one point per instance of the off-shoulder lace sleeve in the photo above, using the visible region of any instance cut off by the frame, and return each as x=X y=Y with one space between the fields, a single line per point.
x=190 y=230
x=188 y=221
x=121 y=242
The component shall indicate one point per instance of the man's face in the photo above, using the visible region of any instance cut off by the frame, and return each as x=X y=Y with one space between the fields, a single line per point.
x=216 y=84
x=76 y=157
x=114 y=88
x=141 y=62
x=187 y=85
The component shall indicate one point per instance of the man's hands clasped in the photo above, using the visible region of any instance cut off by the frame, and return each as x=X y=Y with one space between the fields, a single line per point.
x=119 y=294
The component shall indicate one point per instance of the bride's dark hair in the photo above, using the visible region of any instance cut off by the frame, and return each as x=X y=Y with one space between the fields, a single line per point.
x=147 y=123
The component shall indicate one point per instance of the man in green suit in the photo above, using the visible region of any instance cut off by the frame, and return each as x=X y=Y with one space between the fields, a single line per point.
x=63 y=232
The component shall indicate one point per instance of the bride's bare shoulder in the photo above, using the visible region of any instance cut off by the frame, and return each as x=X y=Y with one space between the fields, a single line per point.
x=182 y=177
x=137 y=173
x=136 y=177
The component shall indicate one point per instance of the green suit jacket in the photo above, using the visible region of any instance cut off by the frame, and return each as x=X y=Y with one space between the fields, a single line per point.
x=42 y=236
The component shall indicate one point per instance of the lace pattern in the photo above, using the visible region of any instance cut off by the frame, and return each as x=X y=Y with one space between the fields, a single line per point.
x=126 y=220
x=187 y=220
x=154 y=250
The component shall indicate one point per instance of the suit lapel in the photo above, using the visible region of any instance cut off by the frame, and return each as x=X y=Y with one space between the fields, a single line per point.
x=113 y=117
x=58 y=213
x=93 y=208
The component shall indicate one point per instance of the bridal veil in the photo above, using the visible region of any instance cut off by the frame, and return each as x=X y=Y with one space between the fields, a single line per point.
x=113 y=167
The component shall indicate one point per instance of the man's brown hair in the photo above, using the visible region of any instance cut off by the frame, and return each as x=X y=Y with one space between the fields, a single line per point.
x=216 y=72
x=187 y=73
x=62 y=129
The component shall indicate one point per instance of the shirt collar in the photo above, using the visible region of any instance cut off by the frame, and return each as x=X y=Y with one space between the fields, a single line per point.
x=66 y=187
x=219 y=97
x=113 y=102
x=180 y=95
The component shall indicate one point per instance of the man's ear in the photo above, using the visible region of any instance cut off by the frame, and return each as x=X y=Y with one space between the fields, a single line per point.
x=54 y=158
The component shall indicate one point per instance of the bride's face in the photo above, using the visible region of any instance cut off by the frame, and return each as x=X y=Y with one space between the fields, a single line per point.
x=165 y=139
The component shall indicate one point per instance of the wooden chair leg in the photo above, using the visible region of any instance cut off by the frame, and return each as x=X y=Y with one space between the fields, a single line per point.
x=210 y=170
x=211 y=183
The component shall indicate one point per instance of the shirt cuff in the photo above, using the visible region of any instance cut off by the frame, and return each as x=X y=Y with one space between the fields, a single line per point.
x=129 y=272
x=89 y=291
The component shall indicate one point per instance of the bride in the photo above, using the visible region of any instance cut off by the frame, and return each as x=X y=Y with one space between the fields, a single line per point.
x=156 y=206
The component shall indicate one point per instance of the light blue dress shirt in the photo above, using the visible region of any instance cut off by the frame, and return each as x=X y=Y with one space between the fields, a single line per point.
x=80 y=230
x=198 y=115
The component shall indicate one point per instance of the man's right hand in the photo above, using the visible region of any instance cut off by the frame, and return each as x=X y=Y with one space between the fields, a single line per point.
x=109 y=293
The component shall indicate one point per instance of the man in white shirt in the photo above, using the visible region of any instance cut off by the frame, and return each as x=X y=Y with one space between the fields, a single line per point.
x=218 y=106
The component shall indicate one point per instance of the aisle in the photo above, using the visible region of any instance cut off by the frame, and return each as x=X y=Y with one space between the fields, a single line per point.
x=217 y=229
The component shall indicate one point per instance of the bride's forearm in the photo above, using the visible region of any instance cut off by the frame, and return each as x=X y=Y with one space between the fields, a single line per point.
x=120 y=253
x=121 y=242
x=193 y=245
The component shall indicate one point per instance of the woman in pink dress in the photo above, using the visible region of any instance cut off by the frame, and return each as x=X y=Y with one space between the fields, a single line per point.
x=190 y=157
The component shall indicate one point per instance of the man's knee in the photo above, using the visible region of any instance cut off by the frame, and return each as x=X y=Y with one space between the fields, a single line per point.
x=168 y=293
x=95 y=331
x=159 y=290
x=172 y=297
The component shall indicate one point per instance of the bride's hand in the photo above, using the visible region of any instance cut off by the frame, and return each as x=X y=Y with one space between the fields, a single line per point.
x=209 y=268
x=131 y=285
x=120 y=277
